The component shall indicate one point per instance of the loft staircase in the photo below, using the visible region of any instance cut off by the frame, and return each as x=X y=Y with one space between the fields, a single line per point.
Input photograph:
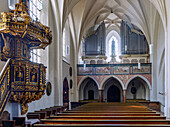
x=107 y=114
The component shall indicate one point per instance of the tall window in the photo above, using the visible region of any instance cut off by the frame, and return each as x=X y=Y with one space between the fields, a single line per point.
x=35 y=7
x=113 y=49
x=64 y=42
x=66 y=46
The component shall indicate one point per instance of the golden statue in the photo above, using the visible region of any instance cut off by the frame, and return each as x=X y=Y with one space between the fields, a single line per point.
x=20 y=74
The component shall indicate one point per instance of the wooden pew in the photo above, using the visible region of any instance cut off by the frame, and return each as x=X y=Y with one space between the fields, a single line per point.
x=100 y=125
x=42 y=115
x=45 y=113
x=108 y=117
x=8 y=123
x=54 y=121
x=107 y=114
x=19 y=121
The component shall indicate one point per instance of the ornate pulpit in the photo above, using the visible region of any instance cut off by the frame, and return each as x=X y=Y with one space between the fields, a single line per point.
x=23 y=81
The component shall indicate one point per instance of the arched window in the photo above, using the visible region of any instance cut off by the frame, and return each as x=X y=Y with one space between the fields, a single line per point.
x=113 y=49
x=66 y=42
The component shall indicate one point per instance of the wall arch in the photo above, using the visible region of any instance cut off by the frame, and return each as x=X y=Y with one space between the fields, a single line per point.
x=88 y=84
x=139 y=76
x=112 y=89
x=84 y=78
x=104 y=81
x=142 y=88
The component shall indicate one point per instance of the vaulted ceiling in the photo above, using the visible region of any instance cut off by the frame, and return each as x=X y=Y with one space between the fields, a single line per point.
x=84 y=14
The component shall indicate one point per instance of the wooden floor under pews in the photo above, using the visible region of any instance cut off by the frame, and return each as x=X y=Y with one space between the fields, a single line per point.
x=106 y=114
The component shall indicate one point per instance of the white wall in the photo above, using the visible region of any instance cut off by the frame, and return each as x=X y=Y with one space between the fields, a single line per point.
x=14 y=109
x=4 y=7
x=158 y=62
x=161 y=65
x=140 y=93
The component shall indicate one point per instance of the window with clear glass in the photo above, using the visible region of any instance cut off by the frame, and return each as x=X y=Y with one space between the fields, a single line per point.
x=11 y=4
x=64 y=43
x=113 y=49
x=35 y=7
x=35 y=55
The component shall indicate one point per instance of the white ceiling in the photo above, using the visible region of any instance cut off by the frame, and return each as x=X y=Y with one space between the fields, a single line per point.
x=84 y=14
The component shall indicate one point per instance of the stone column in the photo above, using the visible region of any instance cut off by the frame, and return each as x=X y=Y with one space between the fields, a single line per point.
x=100 y=95
x=124 y=96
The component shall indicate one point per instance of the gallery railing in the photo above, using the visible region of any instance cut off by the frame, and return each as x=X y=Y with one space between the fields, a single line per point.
x=113 y=69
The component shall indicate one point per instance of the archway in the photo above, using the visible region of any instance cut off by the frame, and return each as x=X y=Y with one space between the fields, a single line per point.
x=112 y=90
x=65 y=92
x=138 y=89
x=88 y=90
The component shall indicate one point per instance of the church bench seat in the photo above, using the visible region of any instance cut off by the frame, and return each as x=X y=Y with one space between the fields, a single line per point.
x=108 y=114
x=48 y=112
x=100 y=125
x=53 y=110
x=8 y=123
x=33 y=116
x=45 y=113
x=54 y=121
x=106 y=117
x=42 y=115
x=19 y=121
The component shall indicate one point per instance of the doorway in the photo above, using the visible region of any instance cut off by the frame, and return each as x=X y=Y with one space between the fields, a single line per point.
x=113 y=94
x=90 y=95
x=65 y=92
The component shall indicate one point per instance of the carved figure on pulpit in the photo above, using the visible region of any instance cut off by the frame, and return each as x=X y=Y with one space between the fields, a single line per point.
x=24 y=50
x=6 y=48
x=33 y=75
x=19 y=74
x=24 y=107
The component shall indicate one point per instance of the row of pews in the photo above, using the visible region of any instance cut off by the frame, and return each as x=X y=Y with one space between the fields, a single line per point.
x=106 y=114
x=34 y=117
x=16 y=122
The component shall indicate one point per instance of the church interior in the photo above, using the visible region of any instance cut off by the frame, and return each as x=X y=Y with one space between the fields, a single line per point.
x=84 y=63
